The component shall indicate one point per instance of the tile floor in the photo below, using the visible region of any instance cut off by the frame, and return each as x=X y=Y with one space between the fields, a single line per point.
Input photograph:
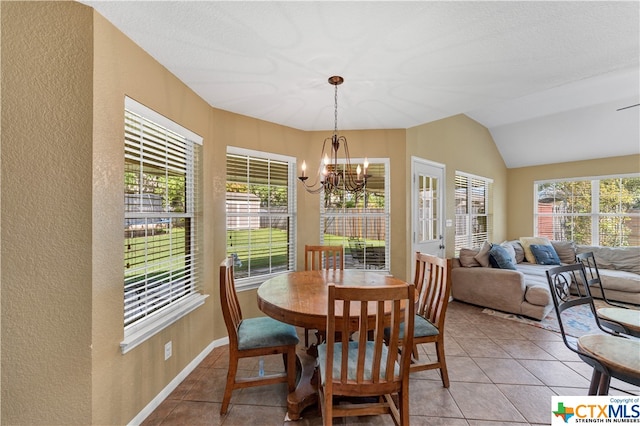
x=501 y=372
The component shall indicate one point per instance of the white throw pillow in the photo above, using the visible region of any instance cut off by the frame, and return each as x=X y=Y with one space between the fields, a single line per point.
x=526 y=243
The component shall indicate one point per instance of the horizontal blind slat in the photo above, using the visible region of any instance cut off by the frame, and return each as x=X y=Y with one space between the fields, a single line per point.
x=159 y=264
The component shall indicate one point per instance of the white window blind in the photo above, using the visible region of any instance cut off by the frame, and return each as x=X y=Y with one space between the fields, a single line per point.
x=161 y=265
x=474 y=220
x=260 y=207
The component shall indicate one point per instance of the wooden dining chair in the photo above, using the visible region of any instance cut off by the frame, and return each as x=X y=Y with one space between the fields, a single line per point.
x=608 y=314
x=610 y=355
x=253 y=337
x=323 y=257
x=317 y=258
x=432 y=280
x=364 y=367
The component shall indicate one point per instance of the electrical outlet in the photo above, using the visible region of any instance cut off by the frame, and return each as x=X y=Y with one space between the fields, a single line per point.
x=167 y=350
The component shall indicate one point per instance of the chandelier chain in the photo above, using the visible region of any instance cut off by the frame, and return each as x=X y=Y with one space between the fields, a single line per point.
x=335 y=110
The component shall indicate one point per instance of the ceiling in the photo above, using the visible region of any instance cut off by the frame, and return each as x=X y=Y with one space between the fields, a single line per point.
x=546 y=78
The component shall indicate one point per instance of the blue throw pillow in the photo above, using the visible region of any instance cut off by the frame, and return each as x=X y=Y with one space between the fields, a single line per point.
x=545 y=254
x=499 y=257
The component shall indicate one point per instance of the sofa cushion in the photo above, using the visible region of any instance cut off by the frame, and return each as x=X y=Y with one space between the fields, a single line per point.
x=526 y=243
x=519 y=251
x=537 y=286
x=483 y=255
x=566 y=251
x=620 y=258
x=510 y=250
x=467 y=257
x=545 y=255
x=499 y=257
x=619 y=280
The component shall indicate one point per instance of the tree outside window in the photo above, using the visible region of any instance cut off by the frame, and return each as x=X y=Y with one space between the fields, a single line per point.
x=600 y=211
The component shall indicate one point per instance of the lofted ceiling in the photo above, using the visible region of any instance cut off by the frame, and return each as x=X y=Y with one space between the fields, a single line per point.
x=548 y=79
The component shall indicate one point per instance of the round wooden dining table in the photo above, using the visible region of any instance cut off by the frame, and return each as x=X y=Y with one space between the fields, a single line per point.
x=300 y=298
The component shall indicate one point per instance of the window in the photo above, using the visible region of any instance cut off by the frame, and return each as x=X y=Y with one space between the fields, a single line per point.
x=474 y=225
x=161 y=226
x=260 y=206
x=593 y=211
x=360 y=223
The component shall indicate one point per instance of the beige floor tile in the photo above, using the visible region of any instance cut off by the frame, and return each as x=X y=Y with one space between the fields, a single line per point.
x=557 y=349
x=210 y=387
x=554 y=373
x=245 y=415
x=428 y=398
x=194 y=413
x=436 y=421
x=465 y=369
x=533 y=402
x=270 y=395
x=507 y=371
x=484 y=402
x=523 y=349
x=482 y=347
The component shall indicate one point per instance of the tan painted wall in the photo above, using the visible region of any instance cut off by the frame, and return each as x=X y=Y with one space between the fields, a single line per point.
x=124 y=384
x=462 y=145
x=46 y=213
x=520 y=187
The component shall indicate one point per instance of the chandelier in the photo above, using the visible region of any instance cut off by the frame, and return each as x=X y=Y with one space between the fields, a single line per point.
x=331 y=179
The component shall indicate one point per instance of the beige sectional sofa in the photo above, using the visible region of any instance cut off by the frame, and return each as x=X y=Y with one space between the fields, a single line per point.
x=524 y=290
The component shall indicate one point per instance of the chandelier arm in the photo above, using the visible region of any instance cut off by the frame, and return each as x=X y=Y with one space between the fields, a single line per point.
x=318 y=185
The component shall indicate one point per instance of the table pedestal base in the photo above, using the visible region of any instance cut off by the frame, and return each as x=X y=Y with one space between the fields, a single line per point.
x=305 y=393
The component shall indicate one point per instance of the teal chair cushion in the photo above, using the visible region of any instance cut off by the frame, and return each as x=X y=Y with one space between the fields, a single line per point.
x=422 y=327
x=264 y=332
x=352 y=363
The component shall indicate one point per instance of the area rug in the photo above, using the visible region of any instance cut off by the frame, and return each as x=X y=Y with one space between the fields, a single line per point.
x=580 y=320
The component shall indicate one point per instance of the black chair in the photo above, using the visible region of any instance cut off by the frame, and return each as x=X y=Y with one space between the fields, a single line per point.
x=609 y=354
x=608 y=315
x=592 y=273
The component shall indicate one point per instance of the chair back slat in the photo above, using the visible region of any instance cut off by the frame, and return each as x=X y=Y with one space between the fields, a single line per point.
x=431 y=281
x=323 y=257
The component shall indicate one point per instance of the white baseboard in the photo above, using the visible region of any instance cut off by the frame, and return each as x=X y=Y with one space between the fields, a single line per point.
x=155 y=402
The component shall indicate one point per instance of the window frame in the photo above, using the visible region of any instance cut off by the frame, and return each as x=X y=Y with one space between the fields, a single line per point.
x=470 y=240
x=594 y=214
x=154 y=321
x=385 y=215
x=254 y=281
